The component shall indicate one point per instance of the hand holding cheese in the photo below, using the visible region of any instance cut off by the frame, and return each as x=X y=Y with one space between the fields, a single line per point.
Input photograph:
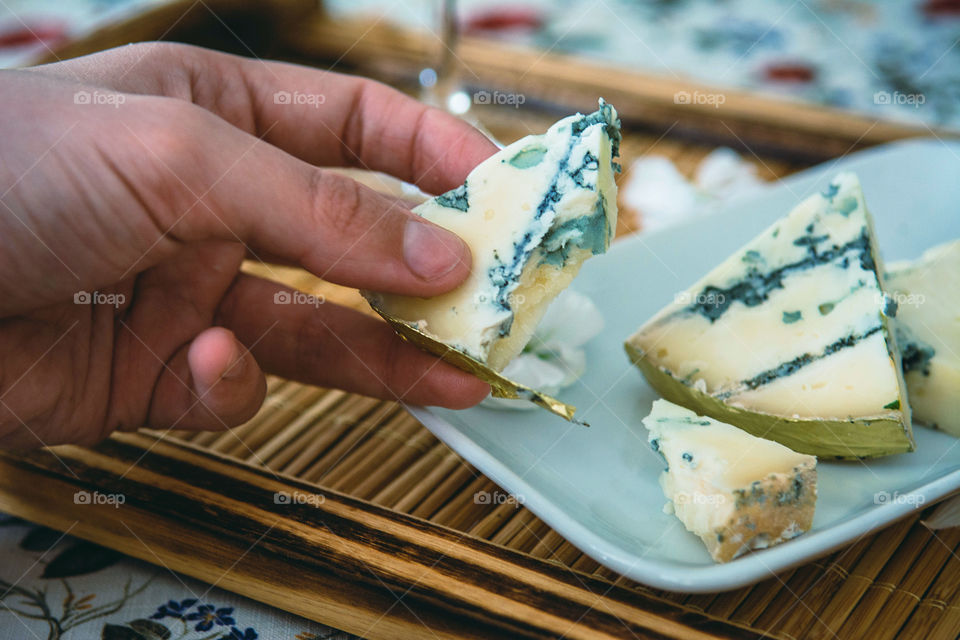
x=126 y=220
x=531 y=214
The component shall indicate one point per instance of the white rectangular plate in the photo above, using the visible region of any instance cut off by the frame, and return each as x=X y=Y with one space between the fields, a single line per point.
x=598 y=486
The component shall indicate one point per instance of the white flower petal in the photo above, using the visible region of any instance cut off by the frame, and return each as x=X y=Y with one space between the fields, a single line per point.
x=659 y=192
x=724 y=175
x=554 y=360
x=572 y=319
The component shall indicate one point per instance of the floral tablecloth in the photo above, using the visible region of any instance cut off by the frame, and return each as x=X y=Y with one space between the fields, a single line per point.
x=53 y=586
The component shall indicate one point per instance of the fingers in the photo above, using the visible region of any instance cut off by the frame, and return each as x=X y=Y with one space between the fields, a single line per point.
x=207 y=180
x=212 y=383
x=331 y=346
x=321 y=117
x=365 y=124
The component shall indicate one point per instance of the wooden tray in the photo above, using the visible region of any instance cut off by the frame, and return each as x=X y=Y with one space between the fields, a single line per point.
x=344 y=510
x=747 y=120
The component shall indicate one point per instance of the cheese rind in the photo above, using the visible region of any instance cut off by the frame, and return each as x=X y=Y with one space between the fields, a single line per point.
x=927 y=292
x=735 y=491
x=531 y=214
x=789 y=338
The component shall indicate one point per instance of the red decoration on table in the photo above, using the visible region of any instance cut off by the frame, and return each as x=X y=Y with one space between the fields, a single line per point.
x=941 y=8
x=18 y=34
x=789 y=72
x=504 y=19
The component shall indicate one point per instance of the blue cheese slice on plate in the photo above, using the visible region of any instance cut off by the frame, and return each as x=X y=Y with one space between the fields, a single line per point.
x=789 y=338
x=531 y=214
x=927 y=292
x=735 y=491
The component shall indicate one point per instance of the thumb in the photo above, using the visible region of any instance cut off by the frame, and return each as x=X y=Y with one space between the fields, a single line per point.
x=212 y=383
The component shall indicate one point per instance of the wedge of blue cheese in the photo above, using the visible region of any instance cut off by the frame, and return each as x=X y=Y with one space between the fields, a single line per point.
x=927 y=292
x=735 y=491
x=531 y=214
x=789 y=337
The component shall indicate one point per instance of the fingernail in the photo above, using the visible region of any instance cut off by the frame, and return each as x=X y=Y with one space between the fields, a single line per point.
x=429 y=251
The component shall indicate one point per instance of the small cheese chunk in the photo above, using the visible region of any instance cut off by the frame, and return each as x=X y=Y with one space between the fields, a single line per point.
x=788 y=338
x=927 y=292
x=531 y=214
x=735 y=491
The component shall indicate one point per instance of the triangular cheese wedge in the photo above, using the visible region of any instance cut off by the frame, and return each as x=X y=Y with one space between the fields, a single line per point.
x=735 y=491
x=788 y=338
x=927 y=292
x=531 y=214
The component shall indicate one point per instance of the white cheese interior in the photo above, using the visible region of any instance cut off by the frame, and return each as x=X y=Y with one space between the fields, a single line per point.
x=531 y=215
x=810 y=345
x=734 y=490
x=928 y=321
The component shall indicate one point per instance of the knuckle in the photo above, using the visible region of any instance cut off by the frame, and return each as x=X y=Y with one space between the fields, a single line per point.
x=152 y=50
x=159 y=54
x=164 y=159
x=171 y=129
x=339 y=203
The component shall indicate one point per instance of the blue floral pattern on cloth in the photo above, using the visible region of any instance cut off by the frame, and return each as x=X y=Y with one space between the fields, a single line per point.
x=54 y=586
x=206 y=617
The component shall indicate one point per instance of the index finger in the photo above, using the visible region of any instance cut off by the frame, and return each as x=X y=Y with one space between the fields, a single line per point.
x=322 y=117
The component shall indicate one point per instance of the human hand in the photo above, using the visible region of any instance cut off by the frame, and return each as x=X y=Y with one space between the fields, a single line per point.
x=146 y=174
